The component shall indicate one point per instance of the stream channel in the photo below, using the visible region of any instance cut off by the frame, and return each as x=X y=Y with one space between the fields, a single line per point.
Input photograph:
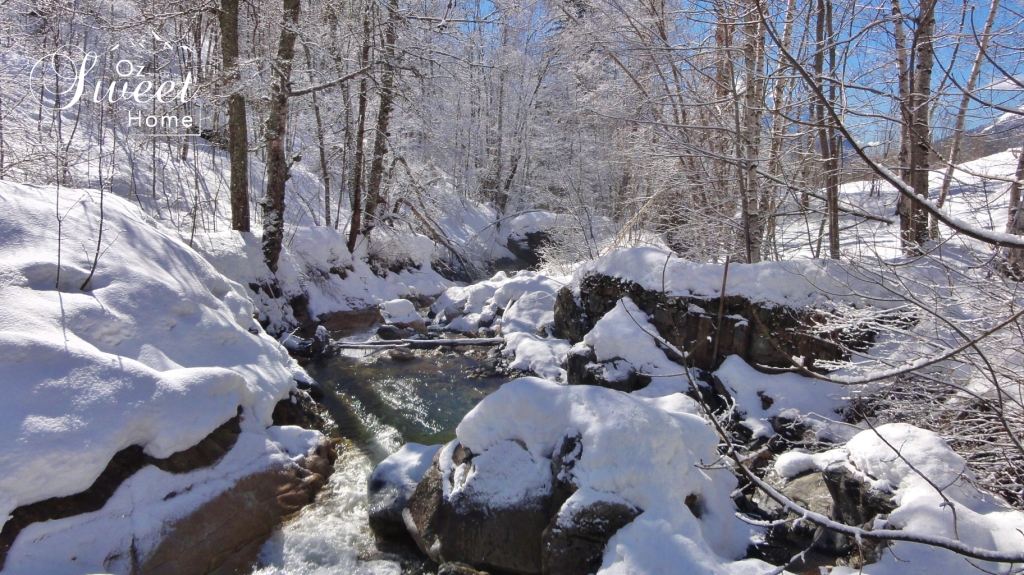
x=379 y=404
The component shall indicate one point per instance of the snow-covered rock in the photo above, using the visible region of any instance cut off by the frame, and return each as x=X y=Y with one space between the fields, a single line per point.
x=157 y=352
x=631 y=451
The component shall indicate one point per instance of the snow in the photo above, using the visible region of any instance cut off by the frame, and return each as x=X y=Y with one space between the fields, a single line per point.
x=915 y=464
x=794 y=283
x=160 y=351
x=631 y=450
x=296 y=441
x=305 y=268
x=526 y=327
x=788 y=392
x=532 y=222
x=399 y=311
x=502 y=476
x=406 y=466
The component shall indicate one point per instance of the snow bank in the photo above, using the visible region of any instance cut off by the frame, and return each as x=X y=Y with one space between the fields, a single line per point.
x=631 y=450
x=794 y=283
x=158 y=353
x=913 y=463
x=315 y=262
x=760 y=396
x=533 y=222
x=526 y=327
x=522 y=307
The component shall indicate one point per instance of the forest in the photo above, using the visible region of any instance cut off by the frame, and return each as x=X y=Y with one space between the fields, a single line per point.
x=511 y=286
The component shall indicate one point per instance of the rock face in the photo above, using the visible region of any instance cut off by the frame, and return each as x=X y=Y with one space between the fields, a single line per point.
x=689 y=324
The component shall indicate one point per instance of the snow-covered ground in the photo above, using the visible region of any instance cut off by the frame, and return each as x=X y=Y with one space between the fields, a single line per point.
x=158 y=351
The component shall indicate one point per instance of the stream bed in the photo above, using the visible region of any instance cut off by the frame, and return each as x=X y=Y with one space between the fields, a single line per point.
x=380 y=401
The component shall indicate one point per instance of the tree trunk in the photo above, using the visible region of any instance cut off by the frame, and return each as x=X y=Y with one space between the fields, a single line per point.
x=238 y=131
x=277 y=125
x=326 y=177
x=357 y=168
x=380 y=142
x=752 y=107
x=1015 y=223
x=915 y=231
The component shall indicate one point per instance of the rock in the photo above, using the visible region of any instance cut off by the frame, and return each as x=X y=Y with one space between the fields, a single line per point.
x=688 y=321
x=574 y=541
x=564 y=458
x=123 y=465
x=458 y=569
x=527 y=246
x=465 y=527
x=401 y=354
x=321 y=342
x=225 y=534
x=391 y=332
x=300 y=409
x=391 y=485
x=856 y=502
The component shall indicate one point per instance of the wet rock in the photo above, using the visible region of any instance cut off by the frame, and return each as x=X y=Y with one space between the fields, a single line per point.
x=321 y=342
x=225 y=534
x=300 y=409
x=465 y=527
x=458 y=569
x=574 y=541
x=401 y=354
x=391 y=332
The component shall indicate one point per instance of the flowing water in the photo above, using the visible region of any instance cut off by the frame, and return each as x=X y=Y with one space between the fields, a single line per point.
x=379 y=404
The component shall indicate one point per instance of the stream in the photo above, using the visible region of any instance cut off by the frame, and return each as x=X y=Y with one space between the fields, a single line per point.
x=379 y=404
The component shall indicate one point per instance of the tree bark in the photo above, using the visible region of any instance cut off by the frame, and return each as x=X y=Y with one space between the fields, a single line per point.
x=277 y=124
x=238 y=131
x=357 y=168
x=914 y=220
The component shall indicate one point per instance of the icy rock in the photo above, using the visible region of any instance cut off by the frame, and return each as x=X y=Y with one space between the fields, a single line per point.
x=392 y=484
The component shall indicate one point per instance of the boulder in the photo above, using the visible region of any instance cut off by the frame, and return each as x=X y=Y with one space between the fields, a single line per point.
x=486 y=510
x=391 y=485
x=616 y=373
x=574 y=541
x=225 y=534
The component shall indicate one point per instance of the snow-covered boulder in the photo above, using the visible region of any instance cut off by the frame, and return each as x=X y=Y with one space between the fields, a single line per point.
x=631 y=453
x=392 y=484
x=156 y=353
x=402 y=314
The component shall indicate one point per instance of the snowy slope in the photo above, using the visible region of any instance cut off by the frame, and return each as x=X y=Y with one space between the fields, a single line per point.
x=161 y=350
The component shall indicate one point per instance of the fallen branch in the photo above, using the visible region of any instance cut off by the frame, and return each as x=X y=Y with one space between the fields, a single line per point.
x=421 y=343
